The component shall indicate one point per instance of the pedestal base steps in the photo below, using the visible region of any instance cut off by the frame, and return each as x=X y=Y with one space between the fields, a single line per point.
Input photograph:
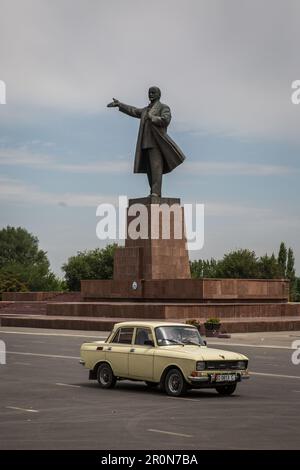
x=101 y=316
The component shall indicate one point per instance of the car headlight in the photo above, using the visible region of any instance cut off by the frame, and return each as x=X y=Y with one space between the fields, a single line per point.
x=242 y=364
x=200 y=365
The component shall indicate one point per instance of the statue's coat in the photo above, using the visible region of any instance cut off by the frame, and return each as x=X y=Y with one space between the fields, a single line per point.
x=161 y=113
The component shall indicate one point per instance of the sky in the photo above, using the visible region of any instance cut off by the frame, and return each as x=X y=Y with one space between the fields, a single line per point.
x=225 y=68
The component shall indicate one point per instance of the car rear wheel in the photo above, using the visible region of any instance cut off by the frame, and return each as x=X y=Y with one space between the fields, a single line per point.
x=175 y=385
x=226 y=389
x=105 y=376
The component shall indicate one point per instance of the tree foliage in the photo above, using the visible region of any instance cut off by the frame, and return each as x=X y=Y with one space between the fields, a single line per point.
x=268 y=267
x=203 y=268
x=240 y=264
x=89 y=264
x=282 y=259
x=23 y=266
x=291 y=274
x=245 y=264
x=17 y=246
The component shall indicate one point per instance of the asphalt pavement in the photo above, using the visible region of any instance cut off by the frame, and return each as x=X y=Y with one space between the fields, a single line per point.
x=47 y=401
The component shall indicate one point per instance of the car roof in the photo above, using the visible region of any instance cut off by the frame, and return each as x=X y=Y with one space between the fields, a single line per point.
x=148 y=323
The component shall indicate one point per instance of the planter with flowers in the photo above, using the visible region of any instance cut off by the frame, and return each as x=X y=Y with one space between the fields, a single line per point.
x=212 y=327
x=195 y=323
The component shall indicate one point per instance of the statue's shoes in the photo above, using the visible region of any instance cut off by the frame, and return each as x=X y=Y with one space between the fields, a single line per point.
x=154 y=195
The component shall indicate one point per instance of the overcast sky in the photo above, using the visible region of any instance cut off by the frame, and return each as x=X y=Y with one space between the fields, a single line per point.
x=225 y=68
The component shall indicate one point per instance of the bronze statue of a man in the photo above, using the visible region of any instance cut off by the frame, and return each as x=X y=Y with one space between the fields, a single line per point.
x=156 y=153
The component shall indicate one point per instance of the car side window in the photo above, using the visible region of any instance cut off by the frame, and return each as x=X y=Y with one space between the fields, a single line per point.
x=116 y=337
x=123 y=336
x=142 y=335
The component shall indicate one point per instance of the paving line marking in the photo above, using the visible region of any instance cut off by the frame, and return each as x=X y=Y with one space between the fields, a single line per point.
x=186 y=399
x=170 y=433
x=49 y=334
x=266 y=346
x=296 y=391
x=275 y=375
x=68 y=385
x=21 y=409
x=55 y=356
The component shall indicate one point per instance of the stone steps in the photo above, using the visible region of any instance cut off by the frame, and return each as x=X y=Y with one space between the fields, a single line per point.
x=172 y=310
x=230 y=325
x=36 y=307
x=24 y=308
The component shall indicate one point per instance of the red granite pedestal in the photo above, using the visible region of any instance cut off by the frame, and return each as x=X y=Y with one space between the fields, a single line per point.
x=158 y=253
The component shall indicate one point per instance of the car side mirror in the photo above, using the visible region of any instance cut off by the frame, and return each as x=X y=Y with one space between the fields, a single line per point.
x=148 y=342
x=205 y=342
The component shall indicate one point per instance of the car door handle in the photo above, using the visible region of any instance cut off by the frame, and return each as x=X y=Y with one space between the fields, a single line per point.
x=132 y=350
x=108 y=349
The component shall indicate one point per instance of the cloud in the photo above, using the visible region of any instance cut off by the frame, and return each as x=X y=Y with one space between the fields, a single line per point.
x=224 y=66
x=26 y=158
x=15 y=191
x=237 y=169
x=236 y=210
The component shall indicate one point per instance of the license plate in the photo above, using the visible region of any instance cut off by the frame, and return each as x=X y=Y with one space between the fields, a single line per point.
x=225 y=377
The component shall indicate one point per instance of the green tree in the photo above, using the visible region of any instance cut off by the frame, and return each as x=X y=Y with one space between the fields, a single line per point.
x=282 y=259
x=23 y=263
x=89 y=264
x=238 y=264
x=297 y=290
x=268 y=267
x=17 y=246
x=291 y=274
x=203 y=268
x=9 y=283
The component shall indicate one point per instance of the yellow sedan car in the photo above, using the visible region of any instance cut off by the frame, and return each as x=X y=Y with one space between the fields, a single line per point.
x=172 y=355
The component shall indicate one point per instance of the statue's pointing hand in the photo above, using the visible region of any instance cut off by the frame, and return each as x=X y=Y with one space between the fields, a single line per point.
x=113 y=104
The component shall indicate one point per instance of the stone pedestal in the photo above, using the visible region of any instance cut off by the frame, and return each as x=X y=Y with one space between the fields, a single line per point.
x=160 y=250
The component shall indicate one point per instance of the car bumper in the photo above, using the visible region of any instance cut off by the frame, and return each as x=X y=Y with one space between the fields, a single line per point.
x=209 y=380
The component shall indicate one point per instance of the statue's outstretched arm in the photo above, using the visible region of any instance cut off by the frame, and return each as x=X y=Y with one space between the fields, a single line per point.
x=130 y=110
x=125 y=108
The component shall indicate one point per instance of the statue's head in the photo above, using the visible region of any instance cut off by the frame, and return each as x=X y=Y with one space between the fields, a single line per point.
x=154 y=94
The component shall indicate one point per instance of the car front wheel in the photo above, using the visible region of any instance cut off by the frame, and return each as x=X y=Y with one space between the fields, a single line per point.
x=105 y=376
x=226 y=389
x=175 y=384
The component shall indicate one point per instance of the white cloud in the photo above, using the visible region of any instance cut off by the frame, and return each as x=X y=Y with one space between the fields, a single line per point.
x=27 y=158
x=236 y=210
x=15 y=191
x=236 y=168
x=223 y=65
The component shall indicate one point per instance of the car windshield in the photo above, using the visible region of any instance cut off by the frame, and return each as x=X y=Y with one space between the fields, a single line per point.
x=176 y=334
